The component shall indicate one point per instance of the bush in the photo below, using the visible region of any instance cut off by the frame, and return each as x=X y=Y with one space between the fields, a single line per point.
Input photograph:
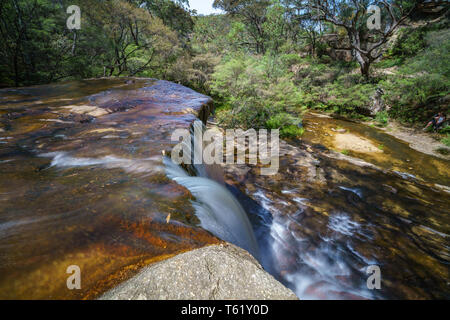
x=343 y=97
x=414 y=94
x=411 y=98
x=446 y=140
x=409 y=43
x=445 y=129
x=291 y=59
x=289 y=125
x=256 y=92
x=382 y=118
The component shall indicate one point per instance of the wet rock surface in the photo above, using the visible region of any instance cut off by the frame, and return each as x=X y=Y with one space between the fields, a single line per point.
x=220 y=272
x=326 y=216
x=82 y=183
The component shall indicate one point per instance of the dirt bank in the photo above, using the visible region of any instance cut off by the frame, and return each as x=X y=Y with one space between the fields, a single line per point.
x=418 y=140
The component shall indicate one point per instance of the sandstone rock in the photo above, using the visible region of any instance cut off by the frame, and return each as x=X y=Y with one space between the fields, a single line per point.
x=220 y=272
x=377 y=104
x=339 y=130
x=349 y=141
x=87 y=110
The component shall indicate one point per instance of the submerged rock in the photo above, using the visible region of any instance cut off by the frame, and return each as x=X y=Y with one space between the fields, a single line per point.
x=349 y=141
x=219 y=272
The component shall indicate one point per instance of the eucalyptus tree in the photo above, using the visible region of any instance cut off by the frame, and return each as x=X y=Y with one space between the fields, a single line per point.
x=253 y=14
x=369 y=24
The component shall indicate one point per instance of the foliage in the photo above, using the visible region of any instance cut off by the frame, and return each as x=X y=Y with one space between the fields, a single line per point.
x=415 y=94
x=117 y=38
x=263 y=61
x=382 y=118
x=289 y=125
x=446 y=140
x=256 y=93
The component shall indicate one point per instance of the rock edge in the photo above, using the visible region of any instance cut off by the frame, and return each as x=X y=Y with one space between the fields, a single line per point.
x=218 y=272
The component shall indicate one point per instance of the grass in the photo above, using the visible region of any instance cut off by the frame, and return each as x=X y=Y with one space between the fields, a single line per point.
x=446 y=140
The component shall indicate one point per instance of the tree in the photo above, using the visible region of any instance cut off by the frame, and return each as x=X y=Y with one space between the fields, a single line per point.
x=135 y=40
x=304 y=24
x=117 y=38
x=253 y=14
x=276 y=26
x=28 y=39
x=352 y=15
x=174 y=13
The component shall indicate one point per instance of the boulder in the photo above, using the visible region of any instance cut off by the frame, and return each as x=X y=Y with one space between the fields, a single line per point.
x=377 y=104
x=219 y=272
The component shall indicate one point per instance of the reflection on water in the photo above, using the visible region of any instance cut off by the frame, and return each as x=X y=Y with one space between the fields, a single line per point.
x=81 y=183
x=394 y=155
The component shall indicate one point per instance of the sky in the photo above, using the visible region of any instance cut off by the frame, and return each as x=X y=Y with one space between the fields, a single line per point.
x=203 y=6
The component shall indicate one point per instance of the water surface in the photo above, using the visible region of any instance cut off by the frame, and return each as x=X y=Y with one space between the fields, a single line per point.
x=82 y=183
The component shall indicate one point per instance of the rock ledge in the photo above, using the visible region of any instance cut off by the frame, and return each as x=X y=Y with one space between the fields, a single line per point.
x=219 y=272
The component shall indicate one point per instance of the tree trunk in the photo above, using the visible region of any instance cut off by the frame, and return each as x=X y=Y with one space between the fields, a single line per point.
x=16 y=71
x=365 y=69
x=74 y=44
x=364 y=62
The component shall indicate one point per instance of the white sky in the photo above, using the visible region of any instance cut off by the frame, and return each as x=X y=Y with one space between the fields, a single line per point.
x=203 y=6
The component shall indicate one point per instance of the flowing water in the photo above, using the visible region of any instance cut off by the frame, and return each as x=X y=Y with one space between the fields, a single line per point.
x=83 y=183
x=325 y=217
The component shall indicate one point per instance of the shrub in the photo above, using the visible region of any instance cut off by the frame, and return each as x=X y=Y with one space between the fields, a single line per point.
x=415 y=93
x=256 y=92
x=382 y=118
x=291 y=59
x=446 y=140
x=289 y=125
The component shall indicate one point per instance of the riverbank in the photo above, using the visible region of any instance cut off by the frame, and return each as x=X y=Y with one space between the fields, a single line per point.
x=419 y=140
x=424 y=142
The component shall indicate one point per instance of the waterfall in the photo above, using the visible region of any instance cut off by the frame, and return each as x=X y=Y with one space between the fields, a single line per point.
x=218 y=210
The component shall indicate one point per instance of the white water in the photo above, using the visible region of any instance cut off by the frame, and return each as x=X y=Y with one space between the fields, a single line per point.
x=317 y=272
x=217 y=209
x=64 y=160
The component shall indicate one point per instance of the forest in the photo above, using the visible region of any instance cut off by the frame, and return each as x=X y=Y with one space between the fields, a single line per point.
x=263 y=61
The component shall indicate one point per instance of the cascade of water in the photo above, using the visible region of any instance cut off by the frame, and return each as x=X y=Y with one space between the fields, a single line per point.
x=218 y=210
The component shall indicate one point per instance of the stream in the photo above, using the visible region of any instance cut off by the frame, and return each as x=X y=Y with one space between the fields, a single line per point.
x=83 y=182
x=327 y=216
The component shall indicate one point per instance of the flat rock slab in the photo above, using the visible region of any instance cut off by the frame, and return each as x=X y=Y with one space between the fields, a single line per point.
x=349 y=141
x=219 y=272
